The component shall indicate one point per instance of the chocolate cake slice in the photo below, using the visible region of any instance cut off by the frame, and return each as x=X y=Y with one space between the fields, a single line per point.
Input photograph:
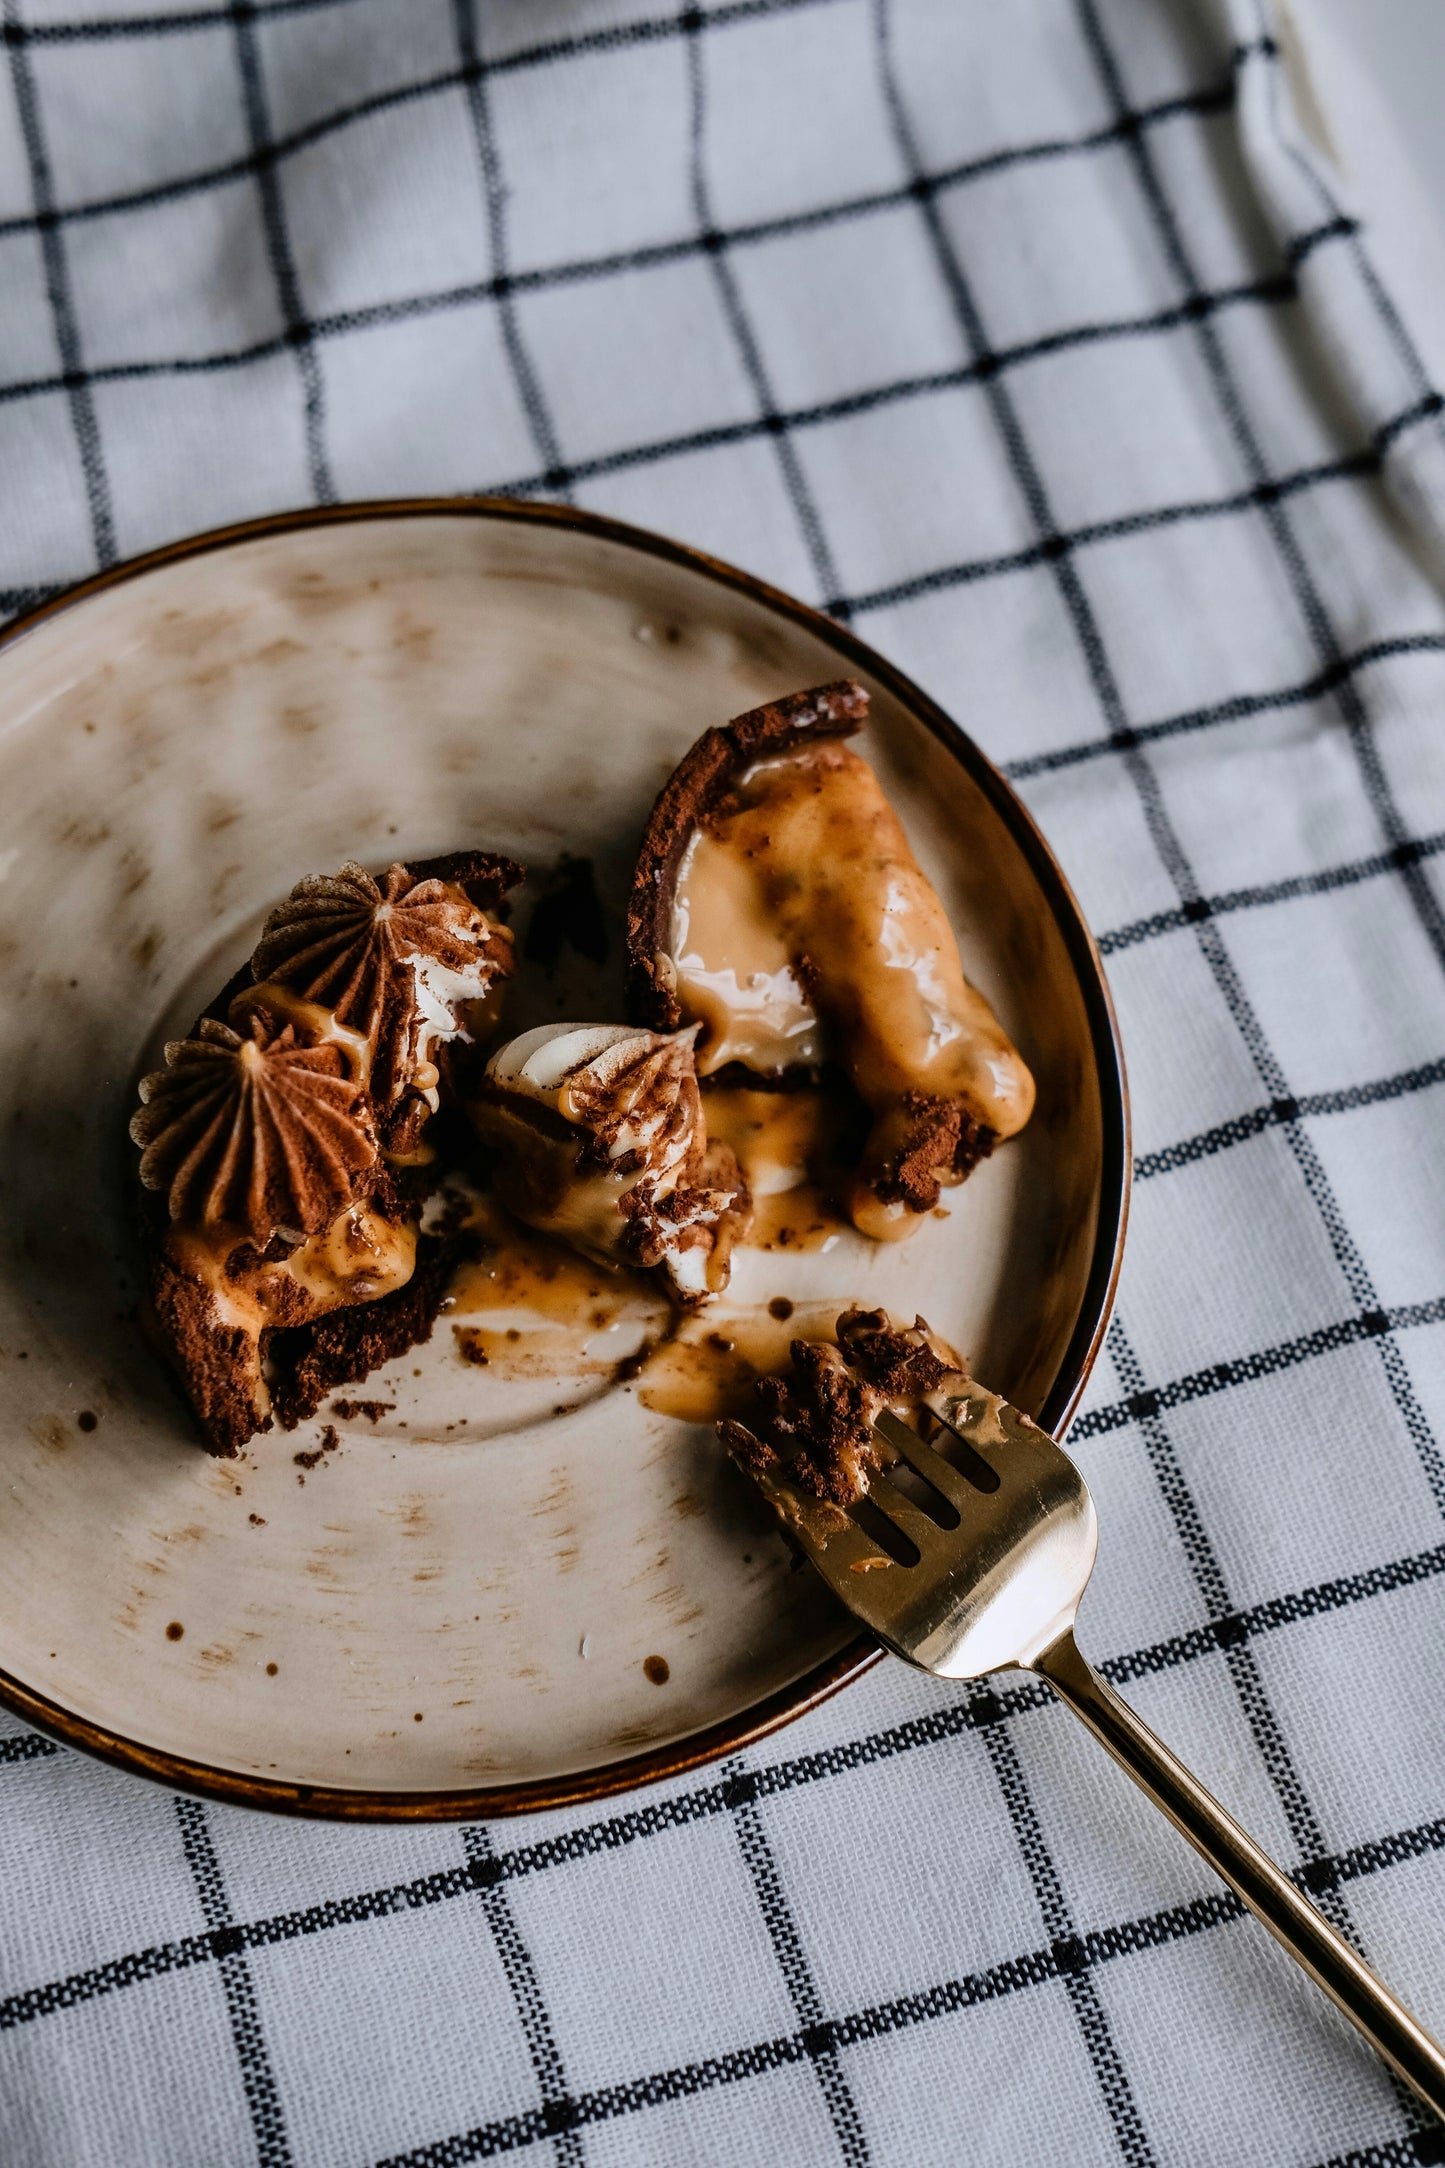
x=814 y=1421
x=284 y=1147
x=599 y=1135
x=778 y=906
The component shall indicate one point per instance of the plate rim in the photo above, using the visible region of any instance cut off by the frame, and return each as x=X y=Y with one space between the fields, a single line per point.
x=730 y=1735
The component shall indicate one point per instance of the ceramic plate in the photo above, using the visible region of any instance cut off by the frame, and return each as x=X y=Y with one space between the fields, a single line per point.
x=519 y=1582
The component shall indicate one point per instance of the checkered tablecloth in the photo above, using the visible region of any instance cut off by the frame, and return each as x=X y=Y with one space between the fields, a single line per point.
x=1040 y=341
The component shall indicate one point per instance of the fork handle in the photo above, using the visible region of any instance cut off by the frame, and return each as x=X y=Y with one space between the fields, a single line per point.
x=1253 y=1876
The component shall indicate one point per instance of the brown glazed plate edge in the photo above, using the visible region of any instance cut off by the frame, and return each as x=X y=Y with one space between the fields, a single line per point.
x=610 y=1779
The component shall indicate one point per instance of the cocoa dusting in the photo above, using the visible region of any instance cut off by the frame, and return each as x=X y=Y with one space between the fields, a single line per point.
x=940 y=1143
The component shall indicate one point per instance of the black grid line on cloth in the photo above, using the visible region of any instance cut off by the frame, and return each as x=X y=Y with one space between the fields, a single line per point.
x=559 y=2120
x=711 y=239
x=106 y=30
x=278 y=247
x=1062 y=1960
x=1167 y=843
x=950 y=1720
x=227 y=1944
x=1213 y=98
x=785 y=421
x=58 y=292
x=1240 y=707
x=1205 y=1143
x=15 y=599
x=1348 y=874
x=1061 y=542
x=1425 y=2146
x=1383 y=2153
x=474 y=293
x=1265 y=1362
x=29 y=1746
x=1266 y=49
x=1240 y=1660
x=519 y=361
x=1234 y=407
x=1156 y=815
x=100 y=29
x=1066 y=1946
x=740 y=1795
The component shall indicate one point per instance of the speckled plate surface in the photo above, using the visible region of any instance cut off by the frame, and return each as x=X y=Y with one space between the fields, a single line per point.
x=460 y=1609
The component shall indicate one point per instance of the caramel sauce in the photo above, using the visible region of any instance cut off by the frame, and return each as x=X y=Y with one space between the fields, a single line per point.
x=521 y=1270
x=557 y=1305
x=800 y=1219
x=311 y=1020
x=734 y=969
x=707 y=1369
x=813 y=864
x=778 y=1136
x=359 y=1257
x=791 y=1149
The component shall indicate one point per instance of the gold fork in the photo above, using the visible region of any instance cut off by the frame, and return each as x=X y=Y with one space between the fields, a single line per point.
x=983 y=1572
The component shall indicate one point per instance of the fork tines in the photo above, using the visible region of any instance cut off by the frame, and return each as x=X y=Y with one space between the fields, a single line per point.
x=841 y=1543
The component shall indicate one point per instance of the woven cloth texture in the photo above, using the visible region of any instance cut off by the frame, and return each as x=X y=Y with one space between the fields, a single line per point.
x=1043 y=344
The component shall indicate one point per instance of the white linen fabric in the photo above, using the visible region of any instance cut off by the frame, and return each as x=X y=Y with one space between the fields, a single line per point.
x=1040 y=343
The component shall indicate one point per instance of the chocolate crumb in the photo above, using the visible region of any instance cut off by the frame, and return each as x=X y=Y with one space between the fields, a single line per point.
x=257 y=1520
x=815 y=1420
x=658 y=1669
x=780 y=1308
x=87 y=1419
x=330 y=1439
x=175 y=1630
x=370 y=1411
x=271 y=1670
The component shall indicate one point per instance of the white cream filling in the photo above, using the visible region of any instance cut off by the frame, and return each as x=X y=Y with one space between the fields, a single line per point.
x=438 y=991
x=546 y=1063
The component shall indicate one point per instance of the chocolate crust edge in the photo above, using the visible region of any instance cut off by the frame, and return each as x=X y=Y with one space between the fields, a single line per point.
x=485 y=875
x=214 y=1367
x=706 y=772
x=345 y=1346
